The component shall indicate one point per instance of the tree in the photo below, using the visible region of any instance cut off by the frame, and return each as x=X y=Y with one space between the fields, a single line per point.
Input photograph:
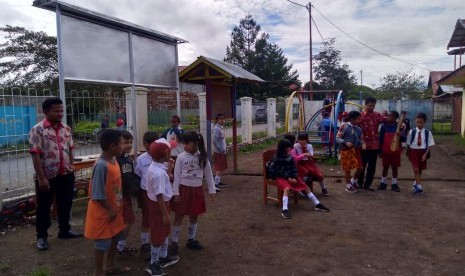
x=329 y=72
x=250 y=49
x=27 y=57
x=401 y=86
x=354 y=92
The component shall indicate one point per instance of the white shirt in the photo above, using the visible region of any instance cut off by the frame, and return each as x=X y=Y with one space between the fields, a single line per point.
x=179 y=148
x=142 y=164
x=423 y=140
x=158 y=182
x=188 y=172
x=299 y=150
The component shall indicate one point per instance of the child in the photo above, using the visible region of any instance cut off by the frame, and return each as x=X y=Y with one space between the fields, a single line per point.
x=159 y=191
x=142 y=164
x=390 y=158
x=129 y=180
x=306 y=166
x=174 y=133
x=350 y=138
x=419 y=142
x=326 y=132
x=191 y=166
x=288 y=179
x=104 y=221
x=219 y=151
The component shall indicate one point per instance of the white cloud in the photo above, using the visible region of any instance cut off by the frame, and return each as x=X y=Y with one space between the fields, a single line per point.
x=414 y=31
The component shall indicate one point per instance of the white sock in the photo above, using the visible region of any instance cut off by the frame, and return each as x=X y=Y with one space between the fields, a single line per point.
x=144 y=238
x=419 y=186
x=217 y=179
x=348 y=185
x=175 y=233
x=313 y=198
x=383 y=179
x=353 y=180
x=322 y=185
x=394 y=181
x=164 y=249
x=285 y=201
x=192 y=230
x=121 y=245
x=154 y=254
x=414 y=183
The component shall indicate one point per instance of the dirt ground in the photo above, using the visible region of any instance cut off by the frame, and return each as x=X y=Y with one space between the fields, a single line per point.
x=367 y=233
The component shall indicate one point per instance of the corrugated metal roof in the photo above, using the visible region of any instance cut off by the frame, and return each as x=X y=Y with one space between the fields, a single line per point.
x=450 y=89
x=236 y=71
x=458 y=36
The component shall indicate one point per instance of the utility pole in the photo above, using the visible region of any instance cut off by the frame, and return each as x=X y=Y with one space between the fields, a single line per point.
x=361 y=77
x=309 y=8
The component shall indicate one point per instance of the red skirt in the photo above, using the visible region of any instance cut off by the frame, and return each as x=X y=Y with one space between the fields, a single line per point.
x=391 y=159
x=128 y=212
x=221 y=162
x=283 y=184
x=192 y=201
x=415 y=155
x=145 y=208
x=309 y=168
x=158 y=230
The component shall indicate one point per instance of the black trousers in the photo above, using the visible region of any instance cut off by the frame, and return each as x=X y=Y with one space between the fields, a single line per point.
x=369 y=158
x=62 y=188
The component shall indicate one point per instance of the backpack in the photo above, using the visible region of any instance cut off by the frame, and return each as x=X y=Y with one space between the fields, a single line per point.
x=270 y=171
x=414 y=132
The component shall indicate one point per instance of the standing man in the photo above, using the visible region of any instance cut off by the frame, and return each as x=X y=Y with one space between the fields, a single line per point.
x=370 y=129
x=327 y=101
x=51 y=148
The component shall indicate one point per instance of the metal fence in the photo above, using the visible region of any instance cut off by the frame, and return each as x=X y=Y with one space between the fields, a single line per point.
x=447 y=113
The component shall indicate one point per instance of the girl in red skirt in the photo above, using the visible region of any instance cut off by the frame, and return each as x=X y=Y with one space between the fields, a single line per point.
x=287 y=178
x=191 y=166
x=306 y=166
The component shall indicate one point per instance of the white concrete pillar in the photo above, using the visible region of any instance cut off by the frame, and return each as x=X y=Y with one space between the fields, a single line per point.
x=290 y=120
x=246 y=120
x=271 y=116
x=142 y=124
x=203 y=114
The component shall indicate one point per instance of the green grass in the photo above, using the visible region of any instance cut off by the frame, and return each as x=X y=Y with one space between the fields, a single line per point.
x=259 y=146
x=86 y=127
x=442 y=126
x=41 y=271
x=331 y=161
x=459 y=140
x=4 y=268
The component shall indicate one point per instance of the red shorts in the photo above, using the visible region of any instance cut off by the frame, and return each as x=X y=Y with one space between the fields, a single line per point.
x=158 y=230
x=391 y=159
x=221 y=162
x=192 y=201
x=145 y=202
x=309 y=168
x=128 y=212
x=415 y=155
x=283 y=184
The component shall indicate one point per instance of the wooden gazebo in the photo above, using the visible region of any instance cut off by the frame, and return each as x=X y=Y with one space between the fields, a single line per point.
x=220 y=79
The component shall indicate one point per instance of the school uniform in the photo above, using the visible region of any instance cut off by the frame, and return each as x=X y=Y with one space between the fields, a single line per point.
x=188 y=176
x=307 y=166
x=219 y=148
x=142 y=165
x=386 y=134
x=158 y=182
x=127 y=175
x=284 y=167
x=417 y=147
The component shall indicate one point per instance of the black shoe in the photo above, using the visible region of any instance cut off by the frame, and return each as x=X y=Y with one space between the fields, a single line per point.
x=155 y=269
x=368 y=188
x=222 y=185
x=69 y=235
x=395 y=188
x=194 y=244
x=167 y=261
x=42 y=244
x=321 y=207
x=217 y=188
x=173 y=249
x=324 y=191
x=382 y=186
x=286 y=214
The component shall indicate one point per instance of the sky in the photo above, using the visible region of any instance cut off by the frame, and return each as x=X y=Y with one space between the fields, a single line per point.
x=416 y=32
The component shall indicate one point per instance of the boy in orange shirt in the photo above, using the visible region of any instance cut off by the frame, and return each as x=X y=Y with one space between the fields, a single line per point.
x=104 y=221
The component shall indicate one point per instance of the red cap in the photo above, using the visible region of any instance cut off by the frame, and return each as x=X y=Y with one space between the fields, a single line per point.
x=158 y=150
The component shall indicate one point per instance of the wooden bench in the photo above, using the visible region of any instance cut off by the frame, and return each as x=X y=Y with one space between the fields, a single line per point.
x=268 y=156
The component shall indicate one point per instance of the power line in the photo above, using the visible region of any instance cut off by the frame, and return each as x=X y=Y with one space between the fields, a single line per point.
x=296 y=3
x=364 y=44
